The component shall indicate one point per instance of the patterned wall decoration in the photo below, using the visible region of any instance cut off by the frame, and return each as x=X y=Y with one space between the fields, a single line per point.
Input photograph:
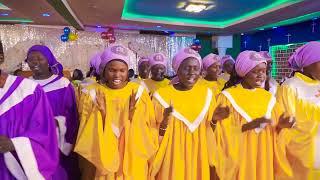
x=17 y=39
x=280 y=55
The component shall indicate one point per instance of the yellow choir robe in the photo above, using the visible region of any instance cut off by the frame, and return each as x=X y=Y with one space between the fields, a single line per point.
x=252 y=154
x=155 y=85
x=121 y=149
x=216 y=86
x=140 y=81
x=87 y=169
x=300 y=97
x=183 y=151
x=79 y=87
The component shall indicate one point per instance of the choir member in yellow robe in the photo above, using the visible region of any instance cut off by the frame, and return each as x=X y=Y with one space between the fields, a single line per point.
x=91 y=79
x=300 y=96
x=158 y=65
x=87 y=169
x=144 y=72
x=144 y=68
x=117 y=132
x=227 y=63
x=245 y=141
x=212 y=68
x=270 y=84
x=183 y=112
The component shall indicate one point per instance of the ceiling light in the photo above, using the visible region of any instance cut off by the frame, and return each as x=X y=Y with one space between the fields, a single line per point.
x=274 y=27
x=45 y=14
x=195 y=8
x=261 y=29
x=4 y=14
x=242 y=34
x=181 y=5
x=158 y=26
x=99 y=26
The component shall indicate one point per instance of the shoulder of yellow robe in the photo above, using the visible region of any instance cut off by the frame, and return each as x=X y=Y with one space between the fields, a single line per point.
x=300 y=79
x=91 y=90
x=250 y=104
x=189 y=106
x=170 y=90
x=304 y=88
x=126 y=91
x=164 y=81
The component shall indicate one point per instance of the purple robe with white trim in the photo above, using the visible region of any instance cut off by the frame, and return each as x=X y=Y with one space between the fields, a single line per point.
x=61 y=96
x=26 y=118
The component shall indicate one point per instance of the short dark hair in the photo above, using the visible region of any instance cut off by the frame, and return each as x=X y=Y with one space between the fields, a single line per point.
x=78 y=75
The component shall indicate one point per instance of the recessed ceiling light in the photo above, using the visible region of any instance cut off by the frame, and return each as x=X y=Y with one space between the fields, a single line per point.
x=196 y=8
x=159 y=26
x=99 y=26
x=275 y=27
x=261 y=29
x=45 y=14
x=4 y=14
x=242 y=34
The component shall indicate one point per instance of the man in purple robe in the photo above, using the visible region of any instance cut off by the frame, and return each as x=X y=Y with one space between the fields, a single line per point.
x=28 y=142
x=47 y=72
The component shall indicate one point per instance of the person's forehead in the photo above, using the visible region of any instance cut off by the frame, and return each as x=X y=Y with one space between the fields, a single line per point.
x=190 y=61
x=145 y=63
x=260 y=66
x=158 y=66
x=216 y=64
x=229 y=62
x=36 y=53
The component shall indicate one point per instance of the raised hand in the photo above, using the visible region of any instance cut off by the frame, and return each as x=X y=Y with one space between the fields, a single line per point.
x=220 y=113
x=285 y=122
x=100 y=103
x=132 y=104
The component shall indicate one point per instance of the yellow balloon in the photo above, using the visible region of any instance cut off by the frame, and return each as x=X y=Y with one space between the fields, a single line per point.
x=73 y=37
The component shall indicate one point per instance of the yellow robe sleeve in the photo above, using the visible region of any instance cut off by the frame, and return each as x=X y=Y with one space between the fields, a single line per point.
x=298 y=141
x=142 y=139
x=226 y=142
x=282 y=165
x=156 y=161
x=210 y=132
x=93 y=143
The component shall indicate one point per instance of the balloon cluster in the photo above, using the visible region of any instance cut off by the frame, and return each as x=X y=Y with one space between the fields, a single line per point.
x=109 y=36
x=68 y=35
x=196 y=45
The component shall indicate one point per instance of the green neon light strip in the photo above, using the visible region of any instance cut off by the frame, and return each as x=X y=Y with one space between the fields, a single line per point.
x=15 y=20
x=292 y=20
x=217 y=24
x=3 y=7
